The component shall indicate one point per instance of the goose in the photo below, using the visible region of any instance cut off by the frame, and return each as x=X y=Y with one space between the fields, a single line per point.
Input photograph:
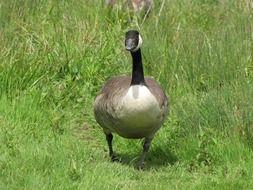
x=133 y=107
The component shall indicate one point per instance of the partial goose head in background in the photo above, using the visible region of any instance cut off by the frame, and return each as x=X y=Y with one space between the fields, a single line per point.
x=136 y=5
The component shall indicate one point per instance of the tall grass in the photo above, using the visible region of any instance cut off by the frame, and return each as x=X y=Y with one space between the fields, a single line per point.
x=56 y=55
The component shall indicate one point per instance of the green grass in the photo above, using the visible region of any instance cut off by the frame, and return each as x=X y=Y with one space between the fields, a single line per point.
x=56 y=55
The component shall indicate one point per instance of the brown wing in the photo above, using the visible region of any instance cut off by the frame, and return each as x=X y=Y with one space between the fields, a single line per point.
x=159 y=94
x=106 y=102
x=116 y=86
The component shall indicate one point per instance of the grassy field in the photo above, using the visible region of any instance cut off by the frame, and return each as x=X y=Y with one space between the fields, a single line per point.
x=55 y=55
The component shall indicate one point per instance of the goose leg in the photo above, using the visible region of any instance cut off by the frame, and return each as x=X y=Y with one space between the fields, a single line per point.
x=146 y=146
x=109 y=138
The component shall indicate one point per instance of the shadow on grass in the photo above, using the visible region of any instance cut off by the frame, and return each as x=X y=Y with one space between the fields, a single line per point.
x=157 y=157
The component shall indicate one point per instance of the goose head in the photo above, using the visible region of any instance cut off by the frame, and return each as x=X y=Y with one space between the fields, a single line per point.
x=133 y=40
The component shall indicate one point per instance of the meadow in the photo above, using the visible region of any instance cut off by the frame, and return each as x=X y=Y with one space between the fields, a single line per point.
x=55 y=56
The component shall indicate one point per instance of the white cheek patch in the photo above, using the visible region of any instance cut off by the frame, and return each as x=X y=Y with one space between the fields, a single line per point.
x=139 y=44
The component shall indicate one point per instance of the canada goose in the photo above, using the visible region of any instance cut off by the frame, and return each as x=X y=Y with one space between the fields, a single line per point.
x=133 y=107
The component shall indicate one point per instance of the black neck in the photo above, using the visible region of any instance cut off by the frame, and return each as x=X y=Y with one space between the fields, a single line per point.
x=137 y=72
